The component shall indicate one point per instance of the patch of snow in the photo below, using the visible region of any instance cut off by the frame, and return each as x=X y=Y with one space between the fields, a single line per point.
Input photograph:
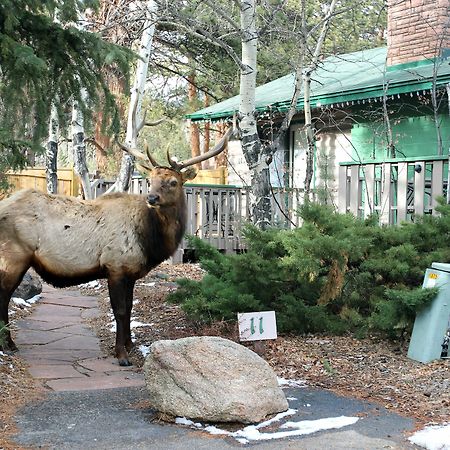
x=291 y=398
x=145 y=350
x=184 y=421
x=211 y=429
x=91 y=285
x=137 y=324
x=34 y=299
x=291 y=383
x=311 y=426
x=433 y=437
x=147 y=284
x=253 y=433
x=136 y=301
x=20 y=302
x=276 y=418
x=113 y=327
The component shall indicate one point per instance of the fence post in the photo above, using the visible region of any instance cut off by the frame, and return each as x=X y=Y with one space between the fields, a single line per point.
x=385 y=207
x=342 y=193
x=437 y=187
x=419 y=188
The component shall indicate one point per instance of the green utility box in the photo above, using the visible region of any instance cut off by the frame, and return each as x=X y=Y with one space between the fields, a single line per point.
x=431 y=330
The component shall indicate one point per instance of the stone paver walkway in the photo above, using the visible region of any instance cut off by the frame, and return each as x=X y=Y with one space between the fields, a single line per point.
x=62 y=351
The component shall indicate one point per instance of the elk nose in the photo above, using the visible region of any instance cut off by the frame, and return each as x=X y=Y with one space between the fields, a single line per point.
x=153 y=199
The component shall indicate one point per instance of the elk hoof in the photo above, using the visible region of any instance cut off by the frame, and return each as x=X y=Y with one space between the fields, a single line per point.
x=124 y=363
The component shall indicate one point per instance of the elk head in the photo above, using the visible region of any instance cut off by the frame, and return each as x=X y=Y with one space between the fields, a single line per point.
x=166 y=182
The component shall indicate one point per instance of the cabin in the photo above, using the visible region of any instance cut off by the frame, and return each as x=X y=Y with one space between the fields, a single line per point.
x=381 y=119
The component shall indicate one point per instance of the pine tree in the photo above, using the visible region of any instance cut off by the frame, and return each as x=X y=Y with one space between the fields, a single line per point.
x=43 y=56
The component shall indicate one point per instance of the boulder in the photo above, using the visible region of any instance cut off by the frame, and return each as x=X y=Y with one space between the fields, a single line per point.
x=31 y=285
x=211 y=379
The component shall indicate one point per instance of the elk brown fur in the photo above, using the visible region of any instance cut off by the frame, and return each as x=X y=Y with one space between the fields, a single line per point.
x=69 y=241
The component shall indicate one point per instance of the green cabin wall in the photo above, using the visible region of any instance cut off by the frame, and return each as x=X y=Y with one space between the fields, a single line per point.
x=413 y=136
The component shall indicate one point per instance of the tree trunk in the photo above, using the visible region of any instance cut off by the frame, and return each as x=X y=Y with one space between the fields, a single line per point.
x=311 y=146
x=194 y=134
x=260 y=204
x=51 y=168
x=137 y=92
x=207 y=137
x=310 y=135
x=79 y=150
x=221 y=158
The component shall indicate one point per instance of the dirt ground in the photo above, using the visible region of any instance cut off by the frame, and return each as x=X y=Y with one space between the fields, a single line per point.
x=370 y=368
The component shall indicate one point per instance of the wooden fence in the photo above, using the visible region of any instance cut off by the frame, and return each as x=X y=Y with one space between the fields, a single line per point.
x=35 y=178
x=395 y=190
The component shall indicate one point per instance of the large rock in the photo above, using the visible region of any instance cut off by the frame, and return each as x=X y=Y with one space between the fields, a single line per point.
x=211 y=379
x=31 y=285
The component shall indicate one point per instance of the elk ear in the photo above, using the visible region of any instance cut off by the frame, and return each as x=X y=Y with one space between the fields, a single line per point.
x=189 y=174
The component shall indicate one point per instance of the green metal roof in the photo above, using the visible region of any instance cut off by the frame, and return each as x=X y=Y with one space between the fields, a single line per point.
x=351 y=77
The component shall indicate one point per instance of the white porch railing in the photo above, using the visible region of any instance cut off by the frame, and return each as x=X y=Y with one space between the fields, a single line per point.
x=394 y=190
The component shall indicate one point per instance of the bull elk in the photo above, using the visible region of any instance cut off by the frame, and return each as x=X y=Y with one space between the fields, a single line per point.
x=119 y=236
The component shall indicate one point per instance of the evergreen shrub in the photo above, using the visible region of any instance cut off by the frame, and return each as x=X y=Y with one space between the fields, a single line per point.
x=333 y=274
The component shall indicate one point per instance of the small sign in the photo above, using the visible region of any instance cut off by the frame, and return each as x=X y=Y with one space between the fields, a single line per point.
x=256 y=326
x=431 y=281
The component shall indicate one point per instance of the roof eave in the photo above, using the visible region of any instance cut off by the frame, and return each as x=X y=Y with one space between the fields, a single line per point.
x=368 y=93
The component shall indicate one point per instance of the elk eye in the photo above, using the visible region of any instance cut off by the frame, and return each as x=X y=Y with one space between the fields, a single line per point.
x=173 y=183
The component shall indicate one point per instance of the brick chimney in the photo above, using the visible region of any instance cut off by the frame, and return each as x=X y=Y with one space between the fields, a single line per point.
x=417 y=30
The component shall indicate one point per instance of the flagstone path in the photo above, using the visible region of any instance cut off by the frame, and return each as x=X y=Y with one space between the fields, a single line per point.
x=62 y=351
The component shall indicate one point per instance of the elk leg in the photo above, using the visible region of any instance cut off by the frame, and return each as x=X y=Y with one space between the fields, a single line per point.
x=129 y=306
x=118 y=295
x=8 y=284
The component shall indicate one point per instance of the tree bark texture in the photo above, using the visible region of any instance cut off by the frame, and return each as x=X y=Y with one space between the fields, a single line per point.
x=79 y=150
x=221 y=158
x=310 y=135
x=194 y=134
x=137 y=93
x=207 y=137
x=256 y=158
x=51 y=168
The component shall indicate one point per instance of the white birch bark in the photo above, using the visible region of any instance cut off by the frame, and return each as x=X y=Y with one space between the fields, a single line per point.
x=79 y=150
x=310 y=138
x=251 y=144
x=51 y=157
x=137 y=92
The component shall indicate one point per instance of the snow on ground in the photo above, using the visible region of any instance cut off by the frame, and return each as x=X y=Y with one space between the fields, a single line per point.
x=91 y=285
x=253 y=433
x=133 y=324
x=433 y=437
x=21 y=303
x=291 y=383
x=144 y=349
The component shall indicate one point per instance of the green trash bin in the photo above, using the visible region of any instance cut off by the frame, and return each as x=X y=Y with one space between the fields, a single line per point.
x=431 y=332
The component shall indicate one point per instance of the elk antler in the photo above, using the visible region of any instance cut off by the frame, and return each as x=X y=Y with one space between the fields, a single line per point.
x=147 y=161
x=197 y=159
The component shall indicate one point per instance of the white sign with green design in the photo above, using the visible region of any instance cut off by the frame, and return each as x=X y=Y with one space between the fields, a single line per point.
x=256 y=326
